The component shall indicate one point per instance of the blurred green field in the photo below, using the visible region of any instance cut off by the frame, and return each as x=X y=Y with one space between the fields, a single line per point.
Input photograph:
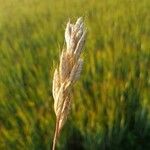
x=111 y=102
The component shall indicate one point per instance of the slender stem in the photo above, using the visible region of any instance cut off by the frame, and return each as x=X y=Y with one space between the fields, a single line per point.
x=55 y=134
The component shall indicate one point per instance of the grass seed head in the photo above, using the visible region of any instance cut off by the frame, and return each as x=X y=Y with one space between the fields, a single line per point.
x=68 y=71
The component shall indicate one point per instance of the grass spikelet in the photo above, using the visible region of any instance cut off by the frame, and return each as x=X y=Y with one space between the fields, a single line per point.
x=67 y=73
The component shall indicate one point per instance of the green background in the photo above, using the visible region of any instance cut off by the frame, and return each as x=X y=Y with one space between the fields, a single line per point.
x=111 y=101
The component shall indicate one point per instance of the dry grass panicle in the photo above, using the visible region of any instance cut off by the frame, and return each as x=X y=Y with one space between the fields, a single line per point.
x=68 y=72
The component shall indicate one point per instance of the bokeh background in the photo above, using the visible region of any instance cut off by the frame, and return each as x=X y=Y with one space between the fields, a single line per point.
x=111 y=101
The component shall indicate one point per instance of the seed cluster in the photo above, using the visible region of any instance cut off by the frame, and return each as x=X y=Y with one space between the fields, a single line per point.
x=68 y=71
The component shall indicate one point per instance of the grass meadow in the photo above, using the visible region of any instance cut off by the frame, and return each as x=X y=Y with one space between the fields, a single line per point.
x=111 y=101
